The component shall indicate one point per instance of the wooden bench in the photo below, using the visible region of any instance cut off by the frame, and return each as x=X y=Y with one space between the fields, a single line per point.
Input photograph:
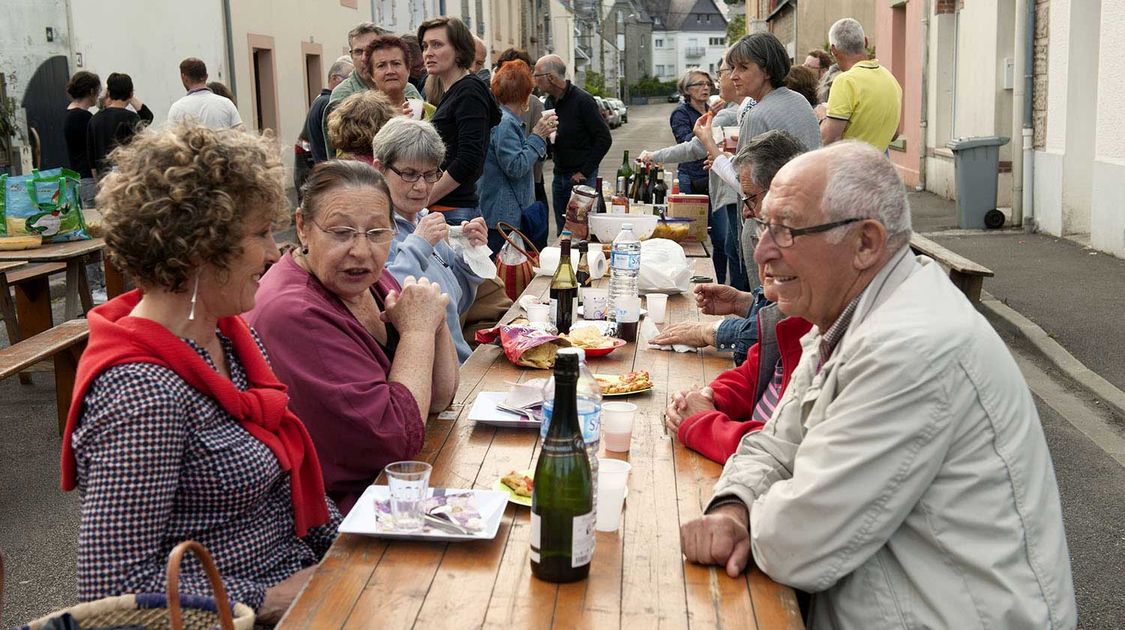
x=63 y=344
x=965 y=274
x=30 y=313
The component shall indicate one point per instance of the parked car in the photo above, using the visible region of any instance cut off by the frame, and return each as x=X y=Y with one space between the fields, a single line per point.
x=609 y=113
x=674 y=97
x=622 y=110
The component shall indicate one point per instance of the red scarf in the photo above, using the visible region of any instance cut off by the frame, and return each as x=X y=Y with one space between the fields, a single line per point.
x=117 y=338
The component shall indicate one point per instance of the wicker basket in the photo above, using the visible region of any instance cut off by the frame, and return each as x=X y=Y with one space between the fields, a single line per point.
x=160 y=612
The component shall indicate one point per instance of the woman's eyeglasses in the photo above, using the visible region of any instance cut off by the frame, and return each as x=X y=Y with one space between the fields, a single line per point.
x=345 y=234
x=412 y=176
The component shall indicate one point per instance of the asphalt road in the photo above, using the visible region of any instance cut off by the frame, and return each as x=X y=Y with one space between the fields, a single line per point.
x=39 y=523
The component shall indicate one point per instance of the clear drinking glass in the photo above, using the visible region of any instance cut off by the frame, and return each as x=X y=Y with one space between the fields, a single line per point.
x=408 y=482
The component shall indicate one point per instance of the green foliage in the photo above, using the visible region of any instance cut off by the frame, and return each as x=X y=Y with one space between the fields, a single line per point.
x=651 y=86
x=595 y=84
x=736 y=28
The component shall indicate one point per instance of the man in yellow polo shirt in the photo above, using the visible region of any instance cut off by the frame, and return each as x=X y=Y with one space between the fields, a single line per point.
x=866 y=101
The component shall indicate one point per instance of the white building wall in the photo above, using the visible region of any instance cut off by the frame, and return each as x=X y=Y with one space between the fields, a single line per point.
x=562 y=40
x=112 y=36
x=1107 y=211
x=981 y=105
x=289 y=23
x=1049 y=161
x=674 y=52
x=404 y=16
x=24 y=45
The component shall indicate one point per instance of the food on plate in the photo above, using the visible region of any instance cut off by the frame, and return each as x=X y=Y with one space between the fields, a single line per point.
x=672 y=231
x=520 y=483
x=541 y=357
x=625 y=383
x=588 y=337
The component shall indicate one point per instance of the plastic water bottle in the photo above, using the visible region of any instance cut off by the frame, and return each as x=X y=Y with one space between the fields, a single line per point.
x=589 y=410
x=624 y=269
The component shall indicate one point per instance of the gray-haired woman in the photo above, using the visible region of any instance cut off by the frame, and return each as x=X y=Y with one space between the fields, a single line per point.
x=408 y=153
x=759 y=65
x=695 y=85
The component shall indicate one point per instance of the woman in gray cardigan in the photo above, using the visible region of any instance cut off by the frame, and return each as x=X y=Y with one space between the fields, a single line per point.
x=724 y=197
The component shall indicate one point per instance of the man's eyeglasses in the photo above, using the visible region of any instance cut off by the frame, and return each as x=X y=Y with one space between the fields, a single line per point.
x=358 y=51
x=722 y=70
x=541 y=74
x=413 y=176
x=345 y=234
x=750 y=202
x=783 y=235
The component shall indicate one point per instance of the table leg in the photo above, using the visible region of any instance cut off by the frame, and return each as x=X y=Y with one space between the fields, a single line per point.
x=78 y=297
x=33 y=310
x=8 y=311
x=84 y=293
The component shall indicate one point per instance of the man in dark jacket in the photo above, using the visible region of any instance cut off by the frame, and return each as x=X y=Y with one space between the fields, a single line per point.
x=314 y=131
x=583 y=137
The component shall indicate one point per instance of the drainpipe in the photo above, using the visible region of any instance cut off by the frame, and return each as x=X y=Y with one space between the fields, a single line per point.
x=1018 y=106
x=923 y=122
x=230 y=47
x=1028 y=218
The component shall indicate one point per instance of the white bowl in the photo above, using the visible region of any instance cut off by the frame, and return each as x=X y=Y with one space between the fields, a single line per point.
x=606 y=226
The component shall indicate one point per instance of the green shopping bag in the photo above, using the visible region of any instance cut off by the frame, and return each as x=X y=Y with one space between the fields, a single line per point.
x=44 y=203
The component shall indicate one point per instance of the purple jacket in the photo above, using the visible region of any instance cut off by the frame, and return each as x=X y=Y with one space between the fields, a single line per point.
x=337 y=377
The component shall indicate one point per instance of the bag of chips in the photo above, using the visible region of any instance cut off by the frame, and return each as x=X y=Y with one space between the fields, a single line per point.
x=524 y=345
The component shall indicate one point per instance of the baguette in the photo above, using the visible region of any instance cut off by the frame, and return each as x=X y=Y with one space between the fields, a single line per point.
x=15 y=243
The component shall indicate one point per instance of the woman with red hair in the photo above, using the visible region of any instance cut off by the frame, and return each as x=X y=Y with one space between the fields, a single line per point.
x=506 y=186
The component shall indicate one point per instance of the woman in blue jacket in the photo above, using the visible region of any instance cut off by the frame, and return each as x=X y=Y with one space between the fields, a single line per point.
x=408 y=153
x=506 y=187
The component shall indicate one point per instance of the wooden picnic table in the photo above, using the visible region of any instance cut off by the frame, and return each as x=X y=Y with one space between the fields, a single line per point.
x=638 y=576
x=76 y=255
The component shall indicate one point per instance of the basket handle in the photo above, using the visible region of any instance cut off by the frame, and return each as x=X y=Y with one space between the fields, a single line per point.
x=222 y=604
x=502 y=225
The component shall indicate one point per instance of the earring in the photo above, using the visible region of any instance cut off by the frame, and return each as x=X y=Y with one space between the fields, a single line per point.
x=194 y=295
x=305 y=249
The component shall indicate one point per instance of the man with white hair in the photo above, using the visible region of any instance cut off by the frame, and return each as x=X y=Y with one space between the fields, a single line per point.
x=865 y=102
x=903 y=478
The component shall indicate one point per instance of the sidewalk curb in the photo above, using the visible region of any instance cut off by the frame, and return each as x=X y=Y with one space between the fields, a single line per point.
x=1014 y=322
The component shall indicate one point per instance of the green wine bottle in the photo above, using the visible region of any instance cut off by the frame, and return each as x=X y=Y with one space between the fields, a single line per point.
x=625 y=170
x=562 y=500
x=564 y=289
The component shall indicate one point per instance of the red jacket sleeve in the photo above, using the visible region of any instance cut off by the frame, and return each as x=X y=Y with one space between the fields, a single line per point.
x=716 y=434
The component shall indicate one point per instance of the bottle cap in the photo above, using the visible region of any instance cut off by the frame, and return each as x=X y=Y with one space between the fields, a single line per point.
x=566 y=364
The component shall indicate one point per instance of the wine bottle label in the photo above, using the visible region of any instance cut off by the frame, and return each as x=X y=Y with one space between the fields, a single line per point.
x=552 y=315
x=535 y=529
x=582 y=541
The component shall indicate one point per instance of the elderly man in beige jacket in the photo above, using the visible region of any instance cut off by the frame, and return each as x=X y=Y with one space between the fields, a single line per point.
x=903 y=479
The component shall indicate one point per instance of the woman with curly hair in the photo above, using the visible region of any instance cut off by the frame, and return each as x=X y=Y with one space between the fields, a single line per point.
x=179 y=430
x=353 y=124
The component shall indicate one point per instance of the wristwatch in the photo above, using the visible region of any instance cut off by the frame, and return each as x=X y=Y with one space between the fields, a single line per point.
x=715 y=333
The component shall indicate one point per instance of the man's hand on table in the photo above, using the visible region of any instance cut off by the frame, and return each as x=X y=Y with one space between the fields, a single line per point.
x=280 y=596
x=721 y=299
x=721 y=537
x=694 y=334
x=686 y=404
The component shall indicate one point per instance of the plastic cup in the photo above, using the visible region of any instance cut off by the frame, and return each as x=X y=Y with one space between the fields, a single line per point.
x=408 y=482
x=613 y=478
x=546 y=113
x=617 y=425
x=415 y=108
x=595 y=302
x=538 y=313
x=657 y=307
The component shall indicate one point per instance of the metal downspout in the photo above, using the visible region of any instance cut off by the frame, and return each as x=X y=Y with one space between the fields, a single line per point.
x=923 y=121
x=230 y=47
x=1029 y=221
x=1018 y=88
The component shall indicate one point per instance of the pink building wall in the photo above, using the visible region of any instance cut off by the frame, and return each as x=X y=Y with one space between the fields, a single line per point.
x=898 y=45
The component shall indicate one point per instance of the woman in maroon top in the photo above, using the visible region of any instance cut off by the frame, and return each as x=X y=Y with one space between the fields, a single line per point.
x=365 y=360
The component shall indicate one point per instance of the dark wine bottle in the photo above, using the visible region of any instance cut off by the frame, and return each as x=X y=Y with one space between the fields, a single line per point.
x=625 y=170
x=562 y=501
x=601 y=198
x=582 y=274
x=564 y=288
x=660 y=190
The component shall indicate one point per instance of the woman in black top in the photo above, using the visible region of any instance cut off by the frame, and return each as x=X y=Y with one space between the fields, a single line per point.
x=83 y=90
x=464 y=118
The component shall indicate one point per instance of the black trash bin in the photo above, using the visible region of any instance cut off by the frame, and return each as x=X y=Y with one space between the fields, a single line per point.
x=976 y=167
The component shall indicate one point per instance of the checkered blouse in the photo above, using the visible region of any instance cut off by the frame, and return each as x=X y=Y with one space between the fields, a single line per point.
x=160 y=463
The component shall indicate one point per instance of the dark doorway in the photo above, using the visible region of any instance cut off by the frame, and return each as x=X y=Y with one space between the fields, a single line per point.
x=45 y=101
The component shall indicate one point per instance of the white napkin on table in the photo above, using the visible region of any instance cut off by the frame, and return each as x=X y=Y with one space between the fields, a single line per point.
x=649 y=330
x=478 y=258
